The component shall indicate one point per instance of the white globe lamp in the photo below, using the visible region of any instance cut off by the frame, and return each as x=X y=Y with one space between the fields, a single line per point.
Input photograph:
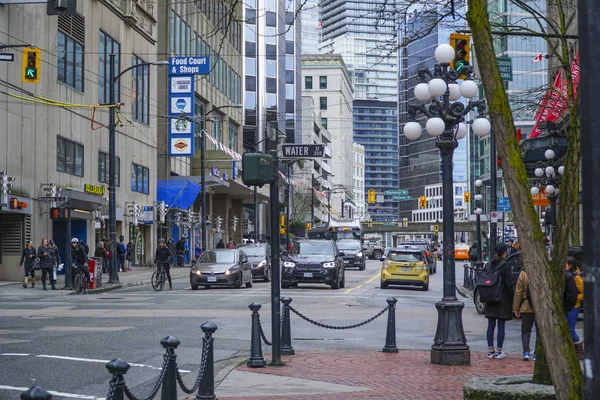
x=454 y=91
x=539 y=172
x=535 y=191
x=478 y=211
x=412 y=130
x=469 y=89
x=478 y=197
x=561 y=169
x=550 y=170
x=481 y=127
x=550 y=189
x=437 y=87
x=422 y=92
x=549 y=154
x=444 y=54
x=435 y=126
x=462 y=131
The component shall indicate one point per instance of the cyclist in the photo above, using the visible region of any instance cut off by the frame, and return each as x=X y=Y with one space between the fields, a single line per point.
x=79 y=258
x=162 y=258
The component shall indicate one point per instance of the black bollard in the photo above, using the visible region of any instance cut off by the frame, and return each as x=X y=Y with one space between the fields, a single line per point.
x=286 y=331
x=169 y=384
x=390 y=335
x=256 y=359
x=465 y=275
x=35 y=393
x=117 y=368
x=206 y=390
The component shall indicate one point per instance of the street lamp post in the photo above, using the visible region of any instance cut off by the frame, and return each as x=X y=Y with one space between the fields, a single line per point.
x=112 y=158
x=478 y=212
x=549 y=174
x=445 y=121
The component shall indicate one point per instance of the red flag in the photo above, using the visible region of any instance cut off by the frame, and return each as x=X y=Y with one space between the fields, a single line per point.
x=320 y=26
x=538 y=58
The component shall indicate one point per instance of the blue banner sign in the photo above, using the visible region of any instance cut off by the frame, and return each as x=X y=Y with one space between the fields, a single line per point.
x=189 y=66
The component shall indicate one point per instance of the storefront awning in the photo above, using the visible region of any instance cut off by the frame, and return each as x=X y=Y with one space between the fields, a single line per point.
x=177 y=193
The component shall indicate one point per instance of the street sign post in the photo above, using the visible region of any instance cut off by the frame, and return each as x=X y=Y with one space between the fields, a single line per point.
x=303 y=150
x=380 y=198
x=494 y=216
x=505 y=67
x=504 y=204
x=396 y=192
x=50 y=199
x=7 y=57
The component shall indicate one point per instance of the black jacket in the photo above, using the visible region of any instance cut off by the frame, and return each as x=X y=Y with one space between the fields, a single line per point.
x=163 y=255
x=180 y=247
x=130 y=249
x=220 y=245
x=46 y=257
x=27 y=252
x=78 y=255
x=502 y=310
x=55 y=254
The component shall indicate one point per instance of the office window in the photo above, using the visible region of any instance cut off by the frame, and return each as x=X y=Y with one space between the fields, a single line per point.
x=233 y=137
x=107 y=47
x=217 y=132
x=140 y=179
x=70 y=61
x=69 y=157
x=308 y=82
x=140 y=103
x=104 y=169
x=323 y=103
x=322 y=82
x=324 y=122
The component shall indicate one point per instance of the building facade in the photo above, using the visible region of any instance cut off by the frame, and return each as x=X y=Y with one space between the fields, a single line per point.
x=358 y=178
x=433 y=212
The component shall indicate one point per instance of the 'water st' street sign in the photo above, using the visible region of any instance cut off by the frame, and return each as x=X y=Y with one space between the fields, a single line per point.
x=189 y=66
x=504 y=204
x=303 y=150
x=505 y=67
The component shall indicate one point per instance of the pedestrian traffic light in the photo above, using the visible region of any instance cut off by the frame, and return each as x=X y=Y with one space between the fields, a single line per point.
x=31 y=65
x=422 y=202
x=308 y=226
x=371 y=196
x=467 y=197
x=462 y=52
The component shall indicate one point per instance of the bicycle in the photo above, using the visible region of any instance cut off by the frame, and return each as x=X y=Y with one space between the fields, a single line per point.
x=82 y=282
x=159 y=277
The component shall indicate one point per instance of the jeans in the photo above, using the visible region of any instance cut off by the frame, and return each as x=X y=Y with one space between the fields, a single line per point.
x=572 y=320
x=122 y=263
x=490 y=332
x=527 y=322
x=167 y=268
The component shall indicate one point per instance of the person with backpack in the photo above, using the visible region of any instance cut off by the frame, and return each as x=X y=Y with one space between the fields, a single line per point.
x=572 y=299
x=100 y=254
x=523 y=308
x=494 y=284
x=121 y=252
x=473 y=252
x=129 y=255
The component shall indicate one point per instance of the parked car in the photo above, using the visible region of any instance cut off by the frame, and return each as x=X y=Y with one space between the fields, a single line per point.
x=313 y=261
x=461 y=251
x=221 y=267
x=405 y=265
x=427 y=249
x=259 y=256
x=353 y=254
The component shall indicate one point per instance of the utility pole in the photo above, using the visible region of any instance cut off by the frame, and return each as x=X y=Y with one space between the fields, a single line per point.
x=112 y=195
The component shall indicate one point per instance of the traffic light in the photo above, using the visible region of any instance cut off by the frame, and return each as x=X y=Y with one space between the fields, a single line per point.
x=218 y=222
x=257 y=169
x=31 y=65
x=436 y=229
x=282 y=220
x=462 y=52
x=371 y=196
x=308 y=226
x=282 y=231
x=422 y=202
x=467 y=197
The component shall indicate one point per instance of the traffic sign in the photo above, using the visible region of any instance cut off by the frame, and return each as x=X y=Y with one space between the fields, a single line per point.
x=7 y=57
x=494 y=216
x=49 y=199
x=505 y=67
x=189 y=66
x=504 y=204
x=401 y=197
x=396 y=192
x=380 y=198
x=303 y=150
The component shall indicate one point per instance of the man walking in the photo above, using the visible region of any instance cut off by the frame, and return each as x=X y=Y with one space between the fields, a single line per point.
x=122 y=251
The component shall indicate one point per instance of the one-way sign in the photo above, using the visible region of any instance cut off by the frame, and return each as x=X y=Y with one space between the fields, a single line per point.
x=303 y=150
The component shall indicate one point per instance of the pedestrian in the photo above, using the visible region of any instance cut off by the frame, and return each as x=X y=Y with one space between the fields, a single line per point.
x=517 y=247
x=523 y=308
x=100 y=254
x=180 y=250
x=121 y=252
x=510 y=249
x=46 y=262
x=498 y=313
x=129 y=255
x=473 y=252
x=197 y=250
x=56 y=257
x=28 y=256
x=220 y=245
x=231 y=244
x=572 y=268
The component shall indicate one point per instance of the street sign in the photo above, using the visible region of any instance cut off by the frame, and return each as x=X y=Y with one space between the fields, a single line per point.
x=189 y=66
x=7 y=57
x=380 y=198
x=504 y=204
x=396 y=192
x=494 y=216
x=505 y=67
x=303 y=150
x=49 y=199
x=401 y=197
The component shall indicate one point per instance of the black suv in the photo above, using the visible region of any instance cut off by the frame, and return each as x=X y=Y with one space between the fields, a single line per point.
x=313 y=261
x=353 y=253
x=427 y=249
x=259 y=256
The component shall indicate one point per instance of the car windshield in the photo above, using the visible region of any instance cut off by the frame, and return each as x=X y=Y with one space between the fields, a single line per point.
x=338 y=235
x=420 y=246
x=398 y=256
x=254 y=251
x=324 y=248
x=218 y=257
x=349 y=245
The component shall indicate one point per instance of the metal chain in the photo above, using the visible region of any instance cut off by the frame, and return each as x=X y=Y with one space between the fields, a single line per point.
x=112 y=386
x=200 y=373
x=339 y=327
x=167 y=357
x=262 y=334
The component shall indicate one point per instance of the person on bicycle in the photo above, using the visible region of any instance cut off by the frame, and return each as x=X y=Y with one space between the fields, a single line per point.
x=162 y=258
x=79 y=257
x=180 y=250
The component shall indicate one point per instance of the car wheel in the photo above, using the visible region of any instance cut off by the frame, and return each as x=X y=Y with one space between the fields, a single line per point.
x=249 y=284
x=426 y=287
x=343 y=281
x=238 y=283
x=336 y=284
x=195 y=287
x=377 y=254
x=479 y=306
x=383 y=285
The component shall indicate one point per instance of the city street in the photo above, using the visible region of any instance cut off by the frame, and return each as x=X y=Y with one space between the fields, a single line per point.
x=62 y=342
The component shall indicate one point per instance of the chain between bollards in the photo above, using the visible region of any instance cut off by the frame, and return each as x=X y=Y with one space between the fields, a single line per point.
x=390 y=335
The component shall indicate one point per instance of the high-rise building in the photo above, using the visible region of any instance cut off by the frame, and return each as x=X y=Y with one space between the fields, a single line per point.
x=311 y=27
x=360 y=207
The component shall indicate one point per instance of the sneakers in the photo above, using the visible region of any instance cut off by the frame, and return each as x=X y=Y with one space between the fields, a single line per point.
x=500 y=355
x=491 y=354
x=526 y=356
x=533 y=356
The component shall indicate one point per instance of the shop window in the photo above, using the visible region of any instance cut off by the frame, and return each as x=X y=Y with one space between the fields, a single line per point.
x=140 y=179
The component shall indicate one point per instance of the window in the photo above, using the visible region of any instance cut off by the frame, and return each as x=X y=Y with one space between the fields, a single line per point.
x=69 y=157
x=107 y=47
x=322 y=82
x=233 y=137
x=104 y=169
x=140 y=179
x=140 y=107
x=70 y=61
x=324 y=122
x=323 y=103
x=217 y=133
x=308 y=82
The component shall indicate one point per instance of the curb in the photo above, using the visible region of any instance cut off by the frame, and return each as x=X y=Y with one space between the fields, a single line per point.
x=467 y=294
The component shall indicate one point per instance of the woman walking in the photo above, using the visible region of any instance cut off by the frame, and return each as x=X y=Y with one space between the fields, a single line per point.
x=572 y=315
x=499 y=312
x=29 y=257
x=55 y=261
x=100 y=254
x=46 y=262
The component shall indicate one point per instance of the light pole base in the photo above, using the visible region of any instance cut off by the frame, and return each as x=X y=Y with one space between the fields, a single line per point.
x=450 y=344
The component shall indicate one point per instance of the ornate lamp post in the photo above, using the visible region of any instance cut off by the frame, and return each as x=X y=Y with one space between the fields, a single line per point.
x=478 y=212
x=549 y=174
x=446 y=117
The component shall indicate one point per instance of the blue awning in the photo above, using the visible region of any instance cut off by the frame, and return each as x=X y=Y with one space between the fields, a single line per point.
x=177 y=193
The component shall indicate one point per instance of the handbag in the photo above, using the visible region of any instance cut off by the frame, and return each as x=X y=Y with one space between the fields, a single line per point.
x=36 y=264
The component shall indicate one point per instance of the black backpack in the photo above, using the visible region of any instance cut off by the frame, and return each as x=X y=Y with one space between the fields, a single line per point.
x=489 y=283
x=571 y=292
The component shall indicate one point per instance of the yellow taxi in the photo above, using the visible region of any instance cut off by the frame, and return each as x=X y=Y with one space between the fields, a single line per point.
x=405 y=266
x=461 y=251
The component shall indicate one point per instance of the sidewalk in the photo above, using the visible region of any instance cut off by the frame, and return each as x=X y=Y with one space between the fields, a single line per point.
x=357 y=375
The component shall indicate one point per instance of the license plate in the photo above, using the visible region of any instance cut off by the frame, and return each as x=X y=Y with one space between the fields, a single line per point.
x=308 y=274
x=406 y=269
x=347 y=261
x=211 y=279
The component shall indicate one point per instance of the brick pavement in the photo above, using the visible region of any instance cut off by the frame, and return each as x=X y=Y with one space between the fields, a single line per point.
x=408 y=374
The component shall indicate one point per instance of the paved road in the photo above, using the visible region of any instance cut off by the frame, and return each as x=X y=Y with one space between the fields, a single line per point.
x=61 y=342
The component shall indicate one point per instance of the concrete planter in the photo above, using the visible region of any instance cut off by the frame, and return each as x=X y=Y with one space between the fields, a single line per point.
x=507 y=388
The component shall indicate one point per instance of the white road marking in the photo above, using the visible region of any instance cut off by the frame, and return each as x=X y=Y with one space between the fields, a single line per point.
x=15 y=354
x=86 y=328
x=53 y=393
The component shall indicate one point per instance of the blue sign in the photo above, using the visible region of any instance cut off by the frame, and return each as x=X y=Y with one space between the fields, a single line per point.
x=233 y=170
x=181 y=103
x=189 y=66
x=504 y=204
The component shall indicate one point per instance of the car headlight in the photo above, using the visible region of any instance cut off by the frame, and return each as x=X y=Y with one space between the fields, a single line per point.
x=230 y=272
x=359 y=254
x=262 y=264
x=289 y=264
x=329 y=265
x=419 y=269
x=198 y=272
